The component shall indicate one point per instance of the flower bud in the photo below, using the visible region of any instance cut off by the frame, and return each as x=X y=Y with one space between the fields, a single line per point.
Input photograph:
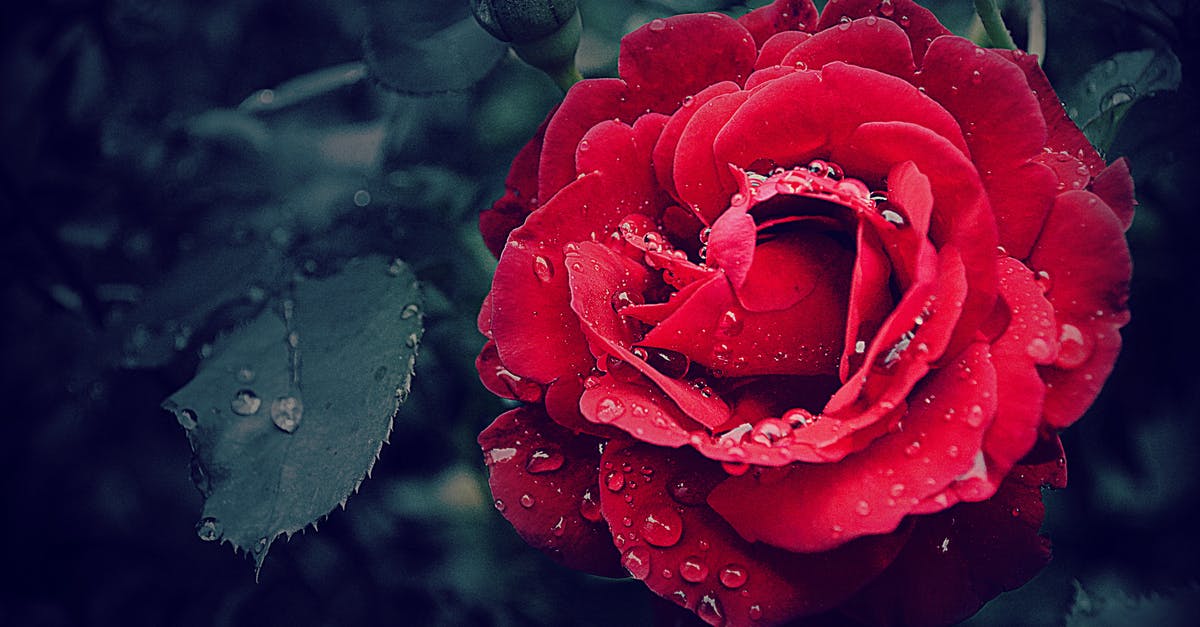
x=522 y=21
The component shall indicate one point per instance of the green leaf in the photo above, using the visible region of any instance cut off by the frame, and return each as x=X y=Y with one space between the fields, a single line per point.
x=1110 y=88
x=290 y=412
x=413 y=49
x=1113 y=607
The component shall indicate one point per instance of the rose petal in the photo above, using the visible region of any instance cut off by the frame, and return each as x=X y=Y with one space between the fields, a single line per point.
x=779 y=17
x=664 y=151
x=1061 y=133
x=968 y=555
x=662 y=63
x=586 y=104
x=540 y=475
x=777 y=47
x=818 y=507
x=803 y=115
x=502 y=382
x=1083 y=250
x=870 y=298
x=990 y=97
x=870 y=43
x=921 y=25
x=703 y=183
x=596 y=273
x=520 y=195
x=684 y=552
x=1114 y=186
x=1030 y=339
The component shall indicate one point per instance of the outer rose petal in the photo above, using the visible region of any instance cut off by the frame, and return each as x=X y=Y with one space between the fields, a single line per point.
x=520 y=197
x=500 y=381
x=870 y=43
x=662 y=63
x=1083 y=250
x=990 y=97
x=654 y=502
x=778 y=17
x=586 y=104
x=959 y=559
x=1115 y=187
x=664 y=151
x=818 y=507
x=775 y=48
x=921 y=25
x=1062 y=134
x=544 y=479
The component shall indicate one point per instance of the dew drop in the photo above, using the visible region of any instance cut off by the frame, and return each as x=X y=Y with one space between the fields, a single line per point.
x=684 y=491
x=896 y=490
x=187 y=419
x=409 y=311
x=1015 y=512
x=975 y=416
x=863 y=508
x=688 y=100
x=1075 y=350
x=733 y=576
x=976 y=77
x=693 y=569
x=662 y=528
x=731 y=324
x=208 y=529
x=671 y=363
x=893 y=217
x=245 y=403
x=286 y=412
x=584 y=145
x=544 y=460
x=589 y=507
x=637 y=561
x=912 y=449
x=1043 y=281
x=527 y=501
x=844 y=23
x=543 y=269
x=1038 y=350
x=709 y=610
x=615 y=481
x=609 y=409
x=755 y=612
x=886 y=8
x=770 y=430
x=499 y=505
x=657 y=25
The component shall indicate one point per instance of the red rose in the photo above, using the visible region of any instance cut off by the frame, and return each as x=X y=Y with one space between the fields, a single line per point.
x=796 y=307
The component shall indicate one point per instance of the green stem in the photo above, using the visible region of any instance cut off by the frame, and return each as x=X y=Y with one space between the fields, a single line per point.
x=1037 y=30
x=989 y=13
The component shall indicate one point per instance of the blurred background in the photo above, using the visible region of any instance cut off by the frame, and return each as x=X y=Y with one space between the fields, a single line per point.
x=164 y=163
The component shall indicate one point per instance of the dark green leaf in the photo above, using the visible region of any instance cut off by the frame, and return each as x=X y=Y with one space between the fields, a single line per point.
x=1110 y=88
x=1116 y=608
x=413 y=50
x=290 y=412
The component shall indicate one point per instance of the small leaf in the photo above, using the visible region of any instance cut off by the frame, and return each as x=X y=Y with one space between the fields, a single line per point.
x=1110 y=88
x=290 y=411
x=413 y=50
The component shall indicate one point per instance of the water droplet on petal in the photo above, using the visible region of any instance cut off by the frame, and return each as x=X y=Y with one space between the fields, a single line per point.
x=975 y=416
x=584 y=145
x=499 y=504
x=543 y=269
x=662 y=527
x=709 y=610
x=589 y=507
x=886 y=8
x=688 y=100
x=896 y=490
x=658 y=24
x=609 y=409
x=669 y=362
x=187 y=419
x=286 y=412
x=733 y=576
x=1038 y=350
x=863 y=508
x=208 y=529
x=544 y=460
x=1075 y=349
x=527 y=501
x=976 y=77
x=615 y=481
x=245 y=403
x=637 y=561
x=684 y=491
x=755 y=612
x=693 y=569
x=730 y=324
